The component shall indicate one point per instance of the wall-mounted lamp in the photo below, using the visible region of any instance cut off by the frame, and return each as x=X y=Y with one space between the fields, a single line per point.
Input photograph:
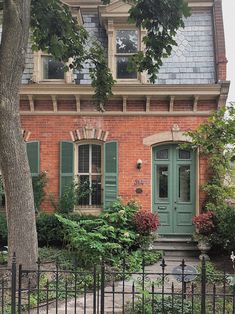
x=139 y=164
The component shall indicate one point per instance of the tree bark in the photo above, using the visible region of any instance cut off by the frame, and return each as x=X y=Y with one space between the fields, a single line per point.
x=22 y=236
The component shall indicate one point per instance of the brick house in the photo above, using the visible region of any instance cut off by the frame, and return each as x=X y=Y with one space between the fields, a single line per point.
x=131 y=149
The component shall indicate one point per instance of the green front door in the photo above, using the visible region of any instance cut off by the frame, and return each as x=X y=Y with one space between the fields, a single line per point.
x=174 y=189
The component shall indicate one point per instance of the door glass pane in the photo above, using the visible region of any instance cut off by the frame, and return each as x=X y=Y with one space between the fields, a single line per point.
x=96 y=159
x=84 y=190
x=184 y=154
x=162 y=181
x=162 y=154
x=184 y=183
x=96 y=190
x=83 y=158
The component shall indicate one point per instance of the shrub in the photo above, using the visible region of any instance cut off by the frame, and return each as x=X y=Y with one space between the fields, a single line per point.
x=204 y=223
x=71 y=197
x=224 y=236
x=49 y=230
x=111 y=233
x=146 y=222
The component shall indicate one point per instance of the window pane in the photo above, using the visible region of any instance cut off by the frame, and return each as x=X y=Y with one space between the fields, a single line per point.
x=122 y=69
x=162 y=154
x=162 y=181
x=96 y=158
x=52 y=69
x=127 y=41
x=184 y=154
x=84 y=190
x=83 y=158
x=184 y=183
x=96 y=190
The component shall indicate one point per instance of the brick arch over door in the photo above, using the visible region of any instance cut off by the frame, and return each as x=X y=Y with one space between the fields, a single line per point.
x=166 y=137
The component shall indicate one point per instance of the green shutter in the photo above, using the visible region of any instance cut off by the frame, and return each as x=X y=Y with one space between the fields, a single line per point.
x=33 y=152
x=110 y=173
x=66 y=165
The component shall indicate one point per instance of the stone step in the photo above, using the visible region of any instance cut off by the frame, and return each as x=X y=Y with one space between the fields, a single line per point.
x=175 y=239
x=177 y=247
x=181 y=254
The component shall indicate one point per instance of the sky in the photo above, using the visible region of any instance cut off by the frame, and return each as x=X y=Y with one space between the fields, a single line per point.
x=229 y=27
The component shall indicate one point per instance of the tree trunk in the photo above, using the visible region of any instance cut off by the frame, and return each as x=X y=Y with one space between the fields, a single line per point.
x=22 y=236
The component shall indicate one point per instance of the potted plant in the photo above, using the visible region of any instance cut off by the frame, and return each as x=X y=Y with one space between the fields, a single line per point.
x=146 y=224
x=204 y=224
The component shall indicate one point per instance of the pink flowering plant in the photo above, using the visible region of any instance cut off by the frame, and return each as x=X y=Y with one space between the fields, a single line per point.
x=205 y=225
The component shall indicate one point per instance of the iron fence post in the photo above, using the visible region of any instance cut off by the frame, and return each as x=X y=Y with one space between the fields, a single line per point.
x=102 y=287
x=203 y=287
x=13 y=285
x=19 y=289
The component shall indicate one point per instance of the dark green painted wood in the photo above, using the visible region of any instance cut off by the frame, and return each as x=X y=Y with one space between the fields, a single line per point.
x=33 y=153
x=110 y=172
x=66 y=165
x=175 y=213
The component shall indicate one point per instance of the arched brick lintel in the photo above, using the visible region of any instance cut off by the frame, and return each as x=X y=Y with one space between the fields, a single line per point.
x=89 y=133
x=166 y=137
x=25 y=134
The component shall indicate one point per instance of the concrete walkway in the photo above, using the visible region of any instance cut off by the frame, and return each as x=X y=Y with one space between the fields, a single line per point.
x=118 y=300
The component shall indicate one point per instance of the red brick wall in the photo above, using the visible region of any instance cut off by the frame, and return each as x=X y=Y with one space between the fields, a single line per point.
x=129 y=131
x=221 y=60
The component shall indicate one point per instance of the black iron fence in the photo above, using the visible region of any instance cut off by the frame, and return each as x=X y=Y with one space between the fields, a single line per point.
x=182 y=290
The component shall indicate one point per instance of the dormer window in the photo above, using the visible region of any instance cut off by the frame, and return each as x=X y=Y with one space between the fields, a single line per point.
x=126 y=46
x=48 y=70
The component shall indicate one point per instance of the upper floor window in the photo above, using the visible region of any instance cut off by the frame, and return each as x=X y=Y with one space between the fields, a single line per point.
x=127 y=43
x=90 y=174
x=52 y=69
x=46 y=68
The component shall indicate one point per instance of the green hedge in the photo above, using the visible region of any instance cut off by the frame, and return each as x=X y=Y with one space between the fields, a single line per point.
x=224 y=237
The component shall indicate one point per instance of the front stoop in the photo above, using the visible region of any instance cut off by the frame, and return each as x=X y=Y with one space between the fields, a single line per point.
x=176 y=248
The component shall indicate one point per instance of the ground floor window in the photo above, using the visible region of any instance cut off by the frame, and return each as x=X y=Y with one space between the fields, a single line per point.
x=90 y=174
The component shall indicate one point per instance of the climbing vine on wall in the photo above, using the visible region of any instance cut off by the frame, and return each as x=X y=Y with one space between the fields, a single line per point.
x=216 y=141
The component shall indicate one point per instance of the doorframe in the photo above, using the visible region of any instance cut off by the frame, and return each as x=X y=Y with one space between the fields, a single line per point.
x=197 y=172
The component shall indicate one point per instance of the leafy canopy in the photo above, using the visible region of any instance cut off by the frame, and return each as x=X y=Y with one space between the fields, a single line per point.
x=56 y=32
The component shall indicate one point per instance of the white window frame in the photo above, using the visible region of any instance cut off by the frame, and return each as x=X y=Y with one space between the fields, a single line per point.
x=112 y=29
x=118 y=54
x=77 y=173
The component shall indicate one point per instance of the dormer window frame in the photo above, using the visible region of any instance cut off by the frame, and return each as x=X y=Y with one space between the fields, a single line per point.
x=38 y=75
x=112 y=29
x=38 y=58
x=114 y=17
